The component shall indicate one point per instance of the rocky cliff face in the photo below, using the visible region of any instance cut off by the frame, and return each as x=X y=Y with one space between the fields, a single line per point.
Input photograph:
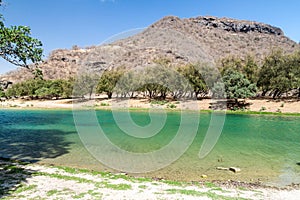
x=237 y=26
x=181 y=41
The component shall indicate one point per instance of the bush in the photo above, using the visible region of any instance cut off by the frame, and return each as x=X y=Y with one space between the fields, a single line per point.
x=42 y=89
x=104 y=104
x=171 y=106
x=263 y=108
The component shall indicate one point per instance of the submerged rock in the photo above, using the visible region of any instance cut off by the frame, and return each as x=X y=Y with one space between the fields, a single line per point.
x=234 y=169
x=203 y=176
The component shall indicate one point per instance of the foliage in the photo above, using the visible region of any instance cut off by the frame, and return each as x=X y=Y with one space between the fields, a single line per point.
x=17 y=46
x=280 y=73
x=85 y=84
x=193 y=74
x=237 y=86
x=153 y=82
x=41 y=89
x=2 y=93
x=248 y=66
x=108 y=81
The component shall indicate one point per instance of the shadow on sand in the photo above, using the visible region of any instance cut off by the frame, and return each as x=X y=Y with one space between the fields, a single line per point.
x=26 y=145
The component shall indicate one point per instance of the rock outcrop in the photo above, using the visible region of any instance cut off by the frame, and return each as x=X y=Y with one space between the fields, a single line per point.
x=237 y=25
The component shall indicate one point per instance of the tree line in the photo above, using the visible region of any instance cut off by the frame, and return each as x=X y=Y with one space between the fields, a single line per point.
x=276 y=76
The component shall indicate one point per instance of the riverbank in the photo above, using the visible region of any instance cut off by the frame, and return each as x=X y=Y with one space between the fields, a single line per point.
x=34 y=181
x=256 y=106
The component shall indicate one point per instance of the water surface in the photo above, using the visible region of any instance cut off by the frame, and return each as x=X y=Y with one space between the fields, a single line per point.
x=266 y=148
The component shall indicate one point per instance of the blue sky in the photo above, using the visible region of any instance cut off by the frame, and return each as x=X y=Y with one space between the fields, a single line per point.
x=64 y=23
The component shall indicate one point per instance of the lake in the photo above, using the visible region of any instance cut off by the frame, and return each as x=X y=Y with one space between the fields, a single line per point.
x=266 y=148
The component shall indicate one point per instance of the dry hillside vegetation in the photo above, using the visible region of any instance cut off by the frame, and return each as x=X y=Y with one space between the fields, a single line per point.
x=180 y=41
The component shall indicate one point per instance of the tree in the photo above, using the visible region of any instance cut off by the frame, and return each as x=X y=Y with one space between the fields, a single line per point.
x=2 y=93
x=108 y=81
x=17 y=46
x=85 y=84
x=279 y=73
x=296 y=71
x=35 y=88
x=237 y=86
x=247 y=66
x=193 y=74
x=128 y=84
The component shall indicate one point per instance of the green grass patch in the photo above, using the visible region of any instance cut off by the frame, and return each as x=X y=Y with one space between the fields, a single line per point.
x=63 y=177
x=79 y=196
x=158 y=102
x=210 y=185
x=12 y=169
x=23 y=188
x=200 y=194
x=121 y=186
x=83 y=180
x=85 y=171
x=142 y=186
x=185 y=192
x=104 y=104
x=175 y=183
x=95 y=194
x=52 y=192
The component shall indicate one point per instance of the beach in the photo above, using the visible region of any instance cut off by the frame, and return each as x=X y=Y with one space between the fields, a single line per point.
x=254 y=105
x=34 y=181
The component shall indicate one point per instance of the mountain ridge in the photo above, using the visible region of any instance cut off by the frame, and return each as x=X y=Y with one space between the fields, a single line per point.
x=181 y=41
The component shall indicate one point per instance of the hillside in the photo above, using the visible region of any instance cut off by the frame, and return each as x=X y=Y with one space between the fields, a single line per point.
x=204 y=39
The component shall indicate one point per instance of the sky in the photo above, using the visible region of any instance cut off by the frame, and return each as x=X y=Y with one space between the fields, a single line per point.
x=61 y=24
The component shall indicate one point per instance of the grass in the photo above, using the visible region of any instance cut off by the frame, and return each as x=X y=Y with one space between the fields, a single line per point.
x=210 y=185
x=209 y=194
x=23 y=188
x=171 y=106
x=79 y=196
x=52 y=192
x=63 y=177
x=121 y=186
x=158 y=102
x=104 y=174
x=142 y=186
x=104 y=104
x=174 y=183
x=83 y=180
x=214 y=191
x=12 y=169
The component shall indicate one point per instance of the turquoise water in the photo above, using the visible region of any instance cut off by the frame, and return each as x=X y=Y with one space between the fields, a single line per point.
x=265 y=148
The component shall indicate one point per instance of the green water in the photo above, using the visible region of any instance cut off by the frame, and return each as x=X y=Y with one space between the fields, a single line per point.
x=265 y=148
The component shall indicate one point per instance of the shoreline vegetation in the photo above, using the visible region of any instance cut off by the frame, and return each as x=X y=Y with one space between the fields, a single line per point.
x=24 y=180
x=289 y=107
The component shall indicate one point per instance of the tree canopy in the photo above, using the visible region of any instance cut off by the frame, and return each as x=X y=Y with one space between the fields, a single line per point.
x=17 y=46
x=237 y=85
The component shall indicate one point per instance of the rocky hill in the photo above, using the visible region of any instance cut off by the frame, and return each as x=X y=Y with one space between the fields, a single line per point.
x=204 y=39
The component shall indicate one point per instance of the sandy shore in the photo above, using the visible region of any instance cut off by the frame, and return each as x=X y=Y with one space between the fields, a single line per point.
x=265 y=105
x=33 y=181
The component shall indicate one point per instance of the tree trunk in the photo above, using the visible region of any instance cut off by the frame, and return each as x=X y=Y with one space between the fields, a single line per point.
x=264 y=93
x=109 y=94
x=236 y=101
x=275 y=93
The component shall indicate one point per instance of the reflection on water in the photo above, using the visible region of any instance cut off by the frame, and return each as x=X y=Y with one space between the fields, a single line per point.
x=266 y=148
